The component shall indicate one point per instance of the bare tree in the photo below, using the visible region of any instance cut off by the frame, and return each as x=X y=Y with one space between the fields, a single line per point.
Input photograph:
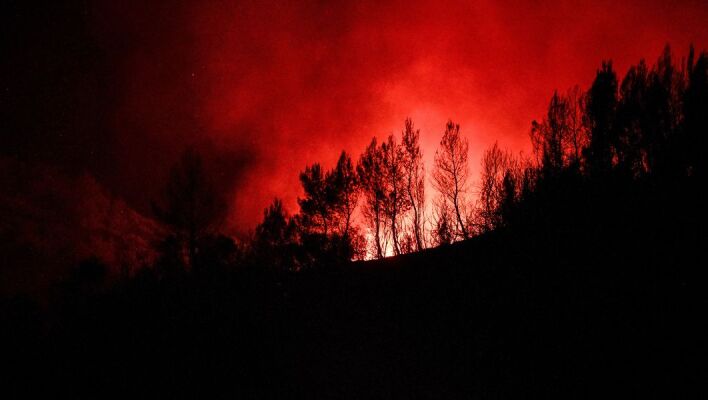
x=415 y=180
x=397 y=203
x=372 y=179
x=578 y=140
x=496 y=163
x=451 y=173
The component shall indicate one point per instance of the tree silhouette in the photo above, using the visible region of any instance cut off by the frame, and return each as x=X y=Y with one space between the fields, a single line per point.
x=191 y=206
x=415 y=180
x=497 y=167
x=550 y=136
x=632 y=122
x=665 y=86
x=695 y=116
x=317 y=206
x=330 y=197
x=600 y=114
x=443 y=225
x=558 y=140
x=326 y=210
x=371 y=173
x=451 y=173
x=397 y=202
x=578 y=140
x=343 y=184
x=275 y=237
x=217 y=253
x=509 y=197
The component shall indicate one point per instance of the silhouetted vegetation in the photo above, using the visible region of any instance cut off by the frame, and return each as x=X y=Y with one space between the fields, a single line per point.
x=192 y=209
x=577 y=268
x=451 y=174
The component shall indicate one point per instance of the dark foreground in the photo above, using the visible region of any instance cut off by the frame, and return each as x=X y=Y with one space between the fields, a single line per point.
x=590 y=307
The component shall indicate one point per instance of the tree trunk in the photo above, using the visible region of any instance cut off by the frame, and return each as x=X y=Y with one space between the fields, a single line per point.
x=416 y=222
x=379 y=250
x=459 y=219
x=394 y=233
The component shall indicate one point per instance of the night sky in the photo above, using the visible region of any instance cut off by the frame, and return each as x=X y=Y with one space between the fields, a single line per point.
x=118 y=89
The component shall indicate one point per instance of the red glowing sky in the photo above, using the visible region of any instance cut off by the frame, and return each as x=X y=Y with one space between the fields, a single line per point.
x=268 y=87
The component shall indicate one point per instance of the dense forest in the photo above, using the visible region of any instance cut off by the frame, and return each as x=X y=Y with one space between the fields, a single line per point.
x=566 y=271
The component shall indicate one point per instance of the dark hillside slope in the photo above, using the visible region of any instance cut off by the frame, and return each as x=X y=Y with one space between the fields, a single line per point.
x=610 y=299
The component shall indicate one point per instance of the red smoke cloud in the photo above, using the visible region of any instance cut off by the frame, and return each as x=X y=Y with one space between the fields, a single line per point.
x=268 y=87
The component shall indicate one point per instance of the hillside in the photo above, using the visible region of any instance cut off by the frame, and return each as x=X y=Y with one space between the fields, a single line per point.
x=51 y=220
x=532 y=311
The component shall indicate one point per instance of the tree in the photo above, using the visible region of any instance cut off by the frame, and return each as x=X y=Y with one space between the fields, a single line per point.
x=549 y=136
x=275 y=237
x=600 y=115
x=326 y=212
x=218 y=252
x=343 y=186
x=560 y=137
x=397 y=202
x=316 y=207
x=509 y=197
x=451 y=173
x=372 y=179
x=665 y=86
x=191 y=206
x=443 y=225
x=695 y=115
x=575 y=99
x=415 y=180
x=496 y=165
x=330 y=197
x=632 y=121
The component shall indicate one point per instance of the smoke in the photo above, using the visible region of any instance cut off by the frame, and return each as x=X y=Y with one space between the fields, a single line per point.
x=266 y=87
